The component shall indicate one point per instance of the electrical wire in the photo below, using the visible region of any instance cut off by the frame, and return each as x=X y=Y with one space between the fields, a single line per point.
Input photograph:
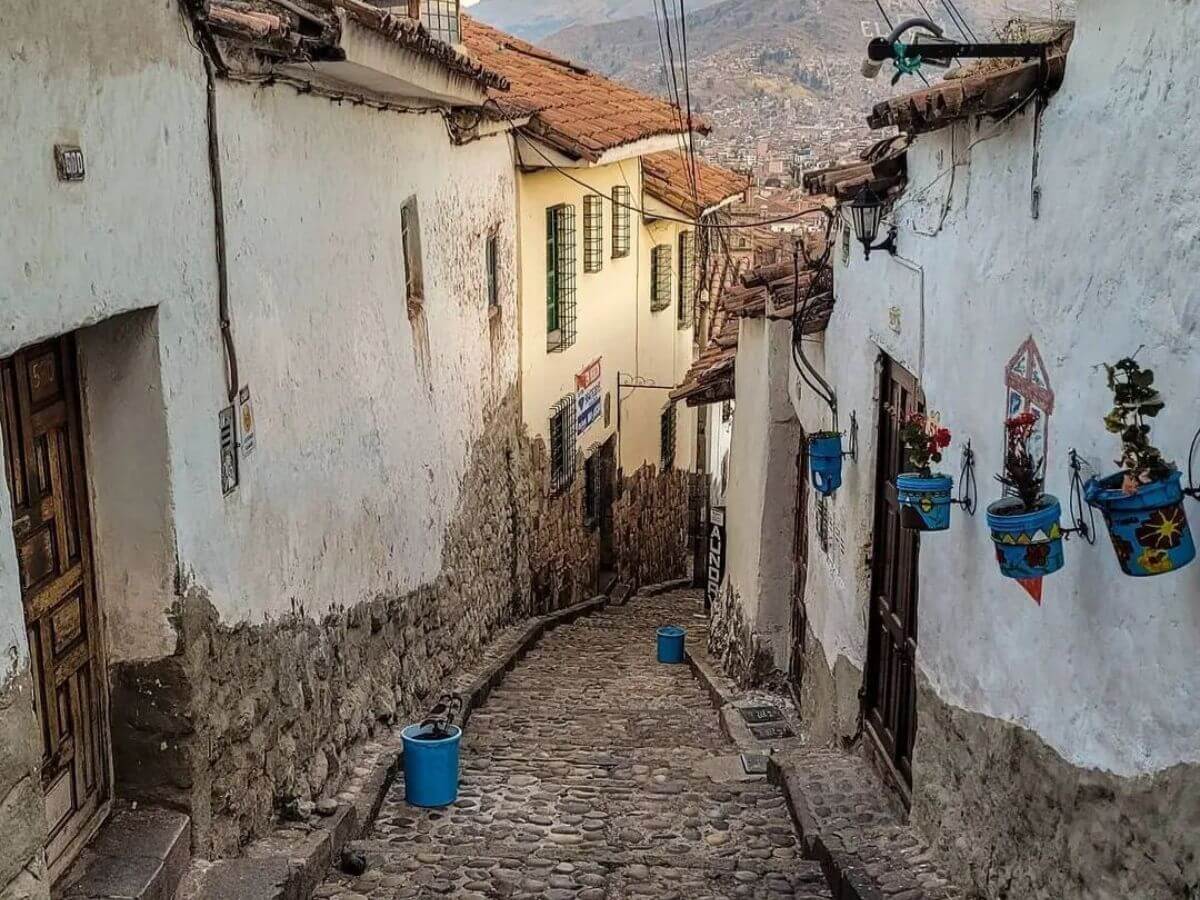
x=731 y=226
x=687 y=88
x=960 y=21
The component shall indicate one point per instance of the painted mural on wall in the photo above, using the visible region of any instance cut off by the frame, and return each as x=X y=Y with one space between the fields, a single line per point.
x=1028 y=389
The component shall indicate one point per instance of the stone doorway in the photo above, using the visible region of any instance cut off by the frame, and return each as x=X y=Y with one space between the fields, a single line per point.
x=46 y=473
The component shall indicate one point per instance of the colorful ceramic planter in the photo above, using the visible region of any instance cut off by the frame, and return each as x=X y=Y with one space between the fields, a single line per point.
x=1149 y=528
x=825 y=463
x=924 y=501
x=1028 y=544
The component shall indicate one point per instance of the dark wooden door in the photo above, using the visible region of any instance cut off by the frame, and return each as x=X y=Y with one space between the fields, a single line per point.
x=800 y=569
x=43 y=458
x=890 y=702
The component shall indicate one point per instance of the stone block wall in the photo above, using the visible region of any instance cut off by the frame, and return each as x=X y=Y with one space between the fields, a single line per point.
x=22 y=825
x=651 y=520
x=564 y=553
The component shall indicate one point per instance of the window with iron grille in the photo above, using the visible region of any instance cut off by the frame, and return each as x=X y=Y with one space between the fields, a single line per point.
x=593 y=233
x=560 y=277
x=493 y=272
x=687 y=278
x=620 y=217
x=562 y=443
x=660 y=277
x=667 y=432
x=442 y=20
x=410 y=239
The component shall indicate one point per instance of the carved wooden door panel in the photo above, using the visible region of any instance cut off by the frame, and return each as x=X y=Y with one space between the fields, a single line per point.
x=890 y=703
x=43 y=444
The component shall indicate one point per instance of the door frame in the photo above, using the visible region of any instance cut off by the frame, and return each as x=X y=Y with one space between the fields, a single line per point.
x=65 y=348
x=800 y=560
x=892 y=752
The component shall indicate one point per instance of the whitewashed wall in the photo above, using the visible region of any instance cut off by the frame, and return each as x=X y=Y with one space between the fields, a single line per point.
x=1105 y=671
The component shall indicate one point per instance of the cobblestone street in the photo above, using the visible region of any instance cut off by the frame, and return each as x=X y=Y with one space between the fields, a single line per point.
x=593 y=772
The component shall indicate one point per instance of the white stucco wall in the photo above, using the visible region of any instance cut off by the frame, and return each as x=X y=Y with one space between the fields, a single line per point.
x=1105 y=670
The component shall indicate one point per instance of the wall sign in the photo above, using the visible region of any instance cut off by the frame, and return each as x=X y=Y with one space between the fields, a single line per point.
x=716 y=556
x=68 y=161
x=227 y=422
x=246 y=410
x=588 y=400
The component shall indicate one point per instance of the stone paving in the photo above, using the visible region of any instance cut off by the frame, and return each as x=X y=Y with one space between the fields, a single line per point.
x=593 y=772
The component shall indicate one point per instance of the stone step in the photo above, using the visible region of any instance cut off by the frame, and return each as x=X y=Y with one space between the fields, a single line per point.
x=140 y=853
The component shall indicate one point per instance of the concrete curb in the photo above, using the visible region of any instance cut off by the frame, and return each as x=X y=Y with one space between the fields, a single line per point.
x=290 y=863
x=664 y=587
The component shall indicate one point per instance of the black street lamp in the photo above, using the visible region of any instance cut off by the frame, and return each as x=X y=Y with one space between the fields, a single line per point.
x=867 y=211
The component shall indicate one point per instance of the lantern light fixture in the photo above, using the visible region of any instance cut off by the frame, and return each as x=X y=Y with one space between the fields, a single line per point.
x=867 y=210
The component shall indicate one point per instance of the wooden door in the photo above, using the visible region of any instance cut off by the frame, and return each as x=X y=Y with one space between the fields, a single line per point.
x=799 y=568
x=43 y=458
x=890 y=702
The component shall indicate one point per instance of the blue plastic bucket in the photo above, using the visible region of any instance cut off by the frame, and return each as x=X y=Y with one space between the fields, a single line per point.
x=430 y=766
x=825 y=464
x=1149 y=528
x=670 y=644
x=1028 y=544
x=924 y=501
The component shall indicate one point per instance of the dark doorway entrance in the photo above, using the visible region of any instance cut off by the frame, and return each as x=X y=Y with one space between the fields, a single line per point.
x=890 y=712
x=799 y=570
x=600 y=483
x=44 y=465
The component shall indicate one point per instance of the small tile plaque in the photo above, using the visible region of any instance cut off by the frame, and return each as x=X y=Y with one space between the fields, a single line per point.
x=754 y=763
x=757 y=714
x=771 y=732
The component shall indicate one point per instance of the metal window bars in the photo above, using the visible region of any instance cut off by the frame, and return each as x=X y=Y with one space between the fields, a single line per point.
x=660 y=277
x=593 y=233
x=620 y=218
x=562 y=443
x=560 y=283
x=687 y=279
x=441 y=20
x=667 y=434
x=493 y=271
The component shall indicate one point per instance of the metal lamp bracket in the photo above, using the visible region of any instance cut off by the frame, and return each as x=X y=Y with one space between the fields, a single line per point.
x=1085 y=528
x=852 y=434
x=1193 y=489
x=968 y=486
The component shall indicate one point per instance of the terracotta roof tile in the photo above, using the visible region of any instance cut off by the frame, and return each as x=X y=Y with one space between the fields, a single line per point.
x=667 y=178
x=576 y=111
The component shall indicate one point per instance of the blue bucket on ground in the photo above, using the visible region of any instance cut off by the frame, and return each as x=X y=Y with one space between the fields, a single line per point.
x=825 y=463
x=1028 y=544
x=924 y=501
x=430 y=766
x=670 y=644
x=1149 y=528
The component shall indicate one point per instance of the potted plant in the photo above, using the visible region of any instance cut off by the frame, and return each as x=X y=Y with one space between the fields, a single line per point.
x=924 y=496
x=1026 y=526
x=1143 y=503
x=825 y=461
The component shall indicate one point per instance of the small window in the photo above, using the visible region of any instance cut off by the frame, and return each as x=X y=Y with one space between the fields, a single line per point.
x=560 y=277
x=687 y=279
x=442 y=21
x=667 y=431
x=593 y=233
x=493 y=272
x=620 y=216
x=660 y=277
x=562 y=443
x=410 y=237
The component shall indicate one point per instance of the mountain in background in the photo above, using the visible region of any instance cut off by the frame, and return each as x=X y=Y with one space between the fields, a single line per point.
x=779 y=80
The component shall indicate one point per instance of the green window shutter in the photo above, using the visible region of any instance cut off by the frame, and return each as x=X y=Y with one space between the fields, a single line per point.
x=551 y=270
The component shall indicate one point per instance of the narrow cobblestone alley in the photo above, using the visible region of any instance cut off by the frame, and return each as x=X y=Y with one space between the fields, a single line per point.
x=593 y=772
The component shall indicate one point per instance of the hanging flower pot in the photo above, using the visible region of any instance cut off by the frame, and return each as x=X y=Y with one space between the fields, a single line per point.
x=1142 y=505
x=925 y=496
x=1149 y=530
x=1027 y=526
x=825 y=462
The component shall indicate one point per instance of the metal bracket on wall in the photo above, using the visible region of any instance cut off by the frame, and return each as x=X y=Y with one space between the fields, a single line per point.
x=968 y=486
x=1085 y=528
x=852 y=434
x=1193 y=489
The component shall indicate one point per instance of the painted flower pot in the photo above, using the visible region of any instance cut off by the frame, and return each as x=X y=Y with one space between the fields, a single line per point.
x=670 y=644
x=924 y=501
x=1149 y=529
x=430 y=765
x=1028 y=544
x=825 y=463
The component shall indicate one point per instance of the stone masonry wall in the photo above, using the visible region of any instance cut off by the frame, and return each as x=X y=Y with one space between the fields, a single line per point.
x=1017 y=820
x=22 y=824
x=739 y=650
x=564 y=554
x=651 y=518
